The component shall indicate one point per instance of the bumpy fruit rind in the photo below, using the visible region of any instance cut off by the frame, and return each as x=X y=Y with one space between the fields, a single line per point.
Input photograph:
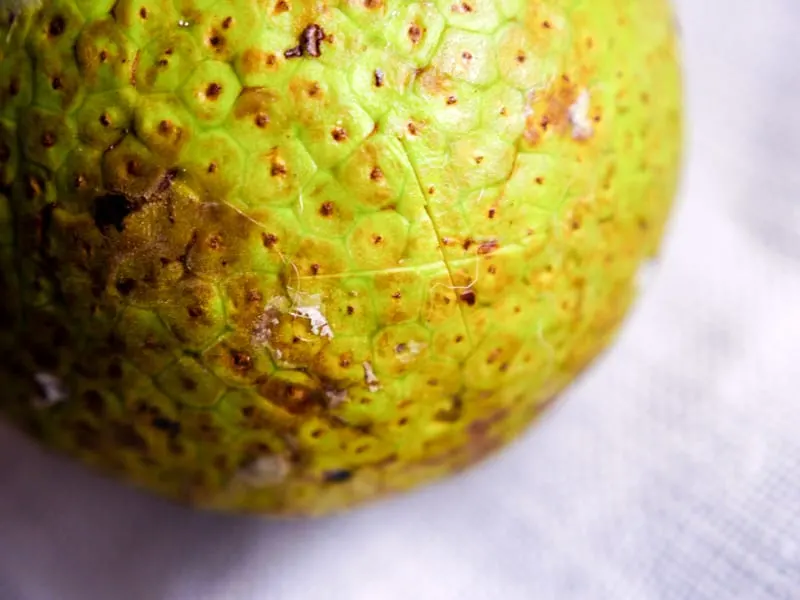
x=287 y=256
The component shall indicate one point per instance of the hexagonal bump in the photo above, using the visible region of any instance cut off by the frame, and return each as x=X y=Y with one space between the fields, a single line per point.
x=105 y=118
x=49 y=137
x=378 y=241
x=467 y=56
x=276 y=173
x=56 y=25
x=398 y=295
x=143 y=20
x=105 y=56
x=211 y=91
x=235 y=360
x=471 y=15
x=167 y=62
x=147 y=344
x=163 y=124
x=16 y=82
x=194 y=313
x=415 y=30
x=324 y=207
x=130 y=168
x=376 y=173
x=189 y=384
x=399 y=349
x=293 y=391
x=215 y=163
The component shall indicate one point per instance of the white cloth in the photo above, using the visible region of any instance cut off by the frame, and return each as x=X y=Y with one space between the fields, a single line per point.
x=671 y=471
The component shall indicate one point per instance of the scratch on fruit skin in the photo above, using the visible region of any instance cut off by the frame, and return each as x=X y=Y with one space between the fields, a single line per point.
x=327 y=288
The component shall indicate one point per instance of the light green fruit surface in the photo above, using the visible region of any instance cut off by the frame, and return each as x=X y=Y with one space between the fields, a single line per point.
x=291 y=284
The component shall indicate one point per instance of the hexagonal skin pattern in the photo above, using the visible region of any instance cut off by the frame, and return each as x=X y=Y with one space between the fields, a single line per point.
x=284 y=256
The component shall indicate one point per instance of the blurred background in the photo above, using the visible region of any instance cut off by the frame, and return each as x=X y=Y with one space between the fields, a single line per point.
x=671 y=471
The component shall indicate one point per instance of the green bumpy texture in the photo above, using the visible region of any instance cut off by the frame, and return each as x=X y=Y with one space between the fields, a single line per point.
x=287 y=256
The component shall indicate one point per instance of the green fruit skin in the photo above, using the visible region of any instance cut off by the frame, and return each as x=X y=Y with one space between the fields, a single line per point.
x=254 y=281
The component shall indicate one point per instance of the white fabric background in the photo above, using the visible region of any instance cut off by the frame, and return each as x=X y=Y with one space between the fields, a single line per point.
x=671 y=471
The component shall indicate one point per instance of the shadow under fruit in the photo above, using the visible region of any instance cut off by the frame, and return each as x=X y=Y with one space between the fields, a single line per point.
x=290 y=256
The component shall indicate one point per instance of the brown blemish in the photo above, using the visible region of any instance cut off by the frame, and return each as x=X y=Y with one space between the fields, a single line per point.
x=315 y=269
x=227 y=22
x=212 y=167
x=414 y=33
x=269 y=239
x=105 y=121
x=468 y=297
x=396 y=295
x=281 y=7
x=466 y=55
x=326 y=210
x=48 y=139
x=451 y=100
x=379 y=78
x=213 y=91
x=261 y=120
x=376 y=174
x=310 y=43
x=13 y=87
x=488 y=246
x=57 y=26
x=492 y=212
x=278 y=169
x=56 y=83
x=350 y=310
x=143 y=12
x=338 y=134
x=241 y=360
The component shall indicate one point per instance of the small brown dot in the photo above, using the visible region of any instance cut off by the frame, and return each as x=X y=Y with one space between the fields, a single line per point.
x=48 y=139
x=195 y=312
x=521 y=57
x=412 y=128
x=241 y=360
x=414 y=33
x=57 y=26
x=468 y=297
x=350 y=310
x=143 y=12
x=317 y=433
x=339 y=134
x=403 y=422
x=227 y=22
x=478 y=160
x=281 y=6
x=13 y=87
x=466 y=55
x=376 y=238
x=451 y=100
x=492 y=212
x=164 y=127
x=271 y=59
x=547 y=25
x=103 y=56
x=212 y=167
x=163 y=62
x=125 y=286
x=431 y=190
x=261 y=120
x=269 y=239
x=215 y=41
x=56 y=83
x=459 y=339
x=80 y=180
x=376 y=174
x=396 y=295
x=213 y=91
x=248 y=411
x=105 y=120
x=314 y=269
x=326 y=210
x=379 y=78
x=314 y=89
x=539 y=180
x=492 y=269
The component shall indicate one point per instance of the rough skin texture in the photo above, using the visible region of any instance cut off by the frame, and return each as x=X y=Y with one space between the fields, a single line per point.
x=286 y=256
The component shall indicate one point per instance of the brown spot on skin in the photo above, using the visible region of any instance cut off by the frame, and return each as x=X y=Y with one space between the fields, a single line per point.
x=103 y=56
x=248 y=411
x=164 y=127
x=105 y=121
x=547 y=25
x=281 y=7
x=492 y=212
x=338 y=476
x=189 y=385
x=350 y=310
x=48 y=139
x=326 y=210
x=520 y=57
x=212 y=167
x=227 y=22
x=466 y=55
x=172 y=428
x=295 y=52
x=451 y=100
x=311 y=39
x=278 y=169
x=339 y=134
x=539 y=180
x=213 y=91
x=414 y=33
x=377 y=239
x=241 y=360
x=125 y=286
x=396 y=295
x=57 y=26
x=488 y=247
x=376 y=174
x=270 y=60
x=379 y=78
x=143 y=12
x=412 y=128
x=314 y=90
x=56 y=83
x=261 y=120
x=269 y=239
x=468 y=297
